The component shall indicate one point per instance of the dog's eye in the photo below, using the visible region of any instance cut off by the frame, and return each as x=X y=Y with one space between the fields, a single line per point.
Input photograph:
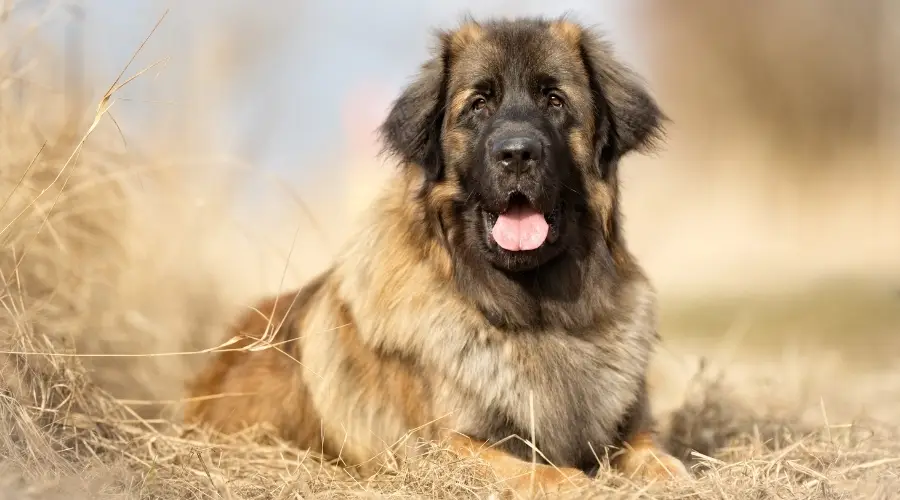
x=479 y=103
x=555 y=101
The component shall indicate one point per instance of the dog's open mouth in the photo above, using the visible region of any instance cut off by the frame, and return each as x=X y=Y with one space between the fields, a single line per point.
x=521 y=227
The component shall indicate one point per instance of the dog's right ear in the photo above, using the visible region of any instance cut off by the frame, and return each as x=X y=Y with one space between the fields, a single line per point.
x=412 y=129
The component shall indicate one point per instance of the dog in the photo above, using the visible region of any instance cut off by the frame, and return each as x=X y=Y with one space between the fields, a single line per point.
x=489 y=291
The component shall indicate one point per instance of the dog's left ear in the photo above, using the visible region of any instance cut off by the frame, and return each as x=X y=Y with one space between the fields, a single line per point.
x=627 y=117
x=412 y=129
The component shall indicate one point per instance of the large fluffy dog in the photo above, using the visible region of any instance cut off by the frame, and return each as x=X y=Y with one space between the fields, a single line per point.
x=489 y=292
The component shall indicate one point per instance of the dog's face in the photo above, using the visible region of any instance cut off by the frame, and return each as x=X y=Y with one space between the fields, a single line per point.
x=519 y=126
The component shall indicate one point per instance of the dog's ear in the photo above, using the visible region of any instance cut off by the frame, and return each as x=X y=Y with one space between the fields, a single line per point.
x=627 y=116
x=412 y=129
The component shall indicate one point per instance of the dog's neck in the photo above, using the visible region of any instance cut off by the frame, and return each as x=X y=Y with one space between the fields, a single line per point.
x=568 y=293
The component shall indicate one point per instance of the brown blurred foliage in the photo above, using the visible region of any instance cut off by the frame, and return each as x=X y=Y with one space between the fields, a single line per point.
x=780 y=166
x=807 y=79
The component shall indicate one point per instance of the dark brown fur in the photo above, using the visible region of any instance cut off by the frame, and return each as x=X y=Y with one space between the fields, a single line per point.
x=419 y=327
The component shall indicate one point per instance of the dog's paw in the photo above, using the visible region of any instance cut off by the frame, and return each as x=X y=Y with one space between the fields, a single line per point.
x=544 y=479
x=652 y=464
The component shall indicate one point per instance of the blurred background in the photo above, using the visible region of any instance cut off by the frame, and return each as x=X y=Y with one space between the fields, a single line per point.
x=770 y=220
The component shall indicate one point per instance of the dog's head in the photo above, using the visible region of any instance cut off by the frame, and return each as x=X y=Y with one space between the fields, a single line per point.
x=518 y=127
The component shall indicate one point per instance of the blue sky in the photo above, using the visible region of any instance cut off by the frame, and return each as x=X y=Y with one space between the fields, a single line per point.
x=318 y=52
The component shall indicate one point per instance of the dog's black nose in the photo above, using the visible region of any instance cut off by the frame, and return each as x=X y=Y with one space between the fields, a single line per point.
x=517 y=154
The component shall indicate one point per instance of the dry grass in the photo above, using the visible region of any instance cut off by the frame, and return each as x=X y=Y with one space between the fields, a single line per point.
x=98 y=256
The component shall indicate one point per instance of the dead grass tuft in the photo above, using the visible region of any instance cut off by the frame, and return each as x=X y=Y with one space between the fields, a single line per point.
x=95 y=259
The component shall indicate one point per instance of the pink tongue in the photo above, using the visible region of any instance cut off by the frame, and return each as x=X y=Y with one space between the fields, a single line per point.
x=520 y=228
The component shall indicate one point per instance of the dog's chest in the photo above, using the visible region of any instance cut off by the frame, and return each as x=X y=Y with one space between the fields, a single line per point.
x=570 y=393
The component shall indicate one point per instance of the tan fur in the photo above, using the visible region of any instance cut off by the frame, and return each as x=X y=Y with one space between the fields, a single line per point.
x=567 y=30
x=383 y=344
x=467 y=34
